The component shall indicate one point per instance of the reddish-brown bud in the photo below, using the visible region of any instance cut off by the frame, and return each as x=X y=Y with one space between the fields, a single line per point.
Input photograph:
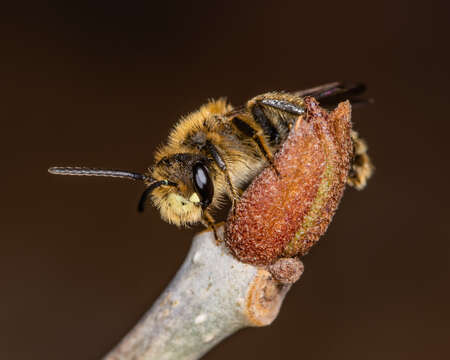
x=285 y=215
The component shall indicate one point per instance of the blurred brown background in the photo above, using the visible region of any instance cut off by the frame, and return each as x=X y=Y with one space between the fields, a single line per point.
x=101 y=84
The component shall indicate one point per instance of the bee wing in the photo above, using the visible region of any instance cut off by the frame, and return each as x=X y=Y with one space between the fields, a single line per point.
x=331 y=94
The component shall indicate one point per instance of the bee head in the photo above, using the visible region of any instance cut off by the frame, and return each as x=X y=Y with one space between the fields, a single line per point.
x=190 y=190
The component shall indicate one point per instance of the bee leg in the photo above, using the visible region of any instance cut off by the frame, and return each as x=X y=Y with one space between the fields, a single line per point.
x=262 y=145
x=212 y=150
x=258 y=137
x=209 y=222
x=283 y=105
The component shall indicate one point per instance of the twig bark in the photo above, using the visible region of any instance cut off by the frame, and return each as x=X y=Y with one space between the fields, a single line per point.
x=212 y=296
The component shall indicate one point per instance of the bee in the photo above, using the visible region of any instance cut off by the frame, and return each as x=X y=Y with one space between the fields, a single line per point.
x=212 y=153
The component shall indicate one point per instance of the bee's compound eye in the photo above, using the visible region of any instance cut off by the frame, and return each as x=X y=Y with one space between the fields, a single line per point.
x=203 y=184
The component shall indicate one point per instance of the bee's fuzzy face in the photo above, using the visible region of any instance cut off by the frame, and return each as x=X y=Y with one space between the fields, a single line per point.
x=176 y=208
x=181 y=205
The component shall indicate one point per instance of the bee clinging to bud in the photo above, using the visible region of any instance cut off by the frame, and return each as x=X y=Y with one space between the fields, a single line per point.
x=214 y=152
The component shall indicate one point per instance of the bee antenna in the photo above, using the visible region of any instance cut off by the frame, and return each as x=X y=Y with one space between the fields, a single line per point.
x=82 y=171
x=149 y=189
